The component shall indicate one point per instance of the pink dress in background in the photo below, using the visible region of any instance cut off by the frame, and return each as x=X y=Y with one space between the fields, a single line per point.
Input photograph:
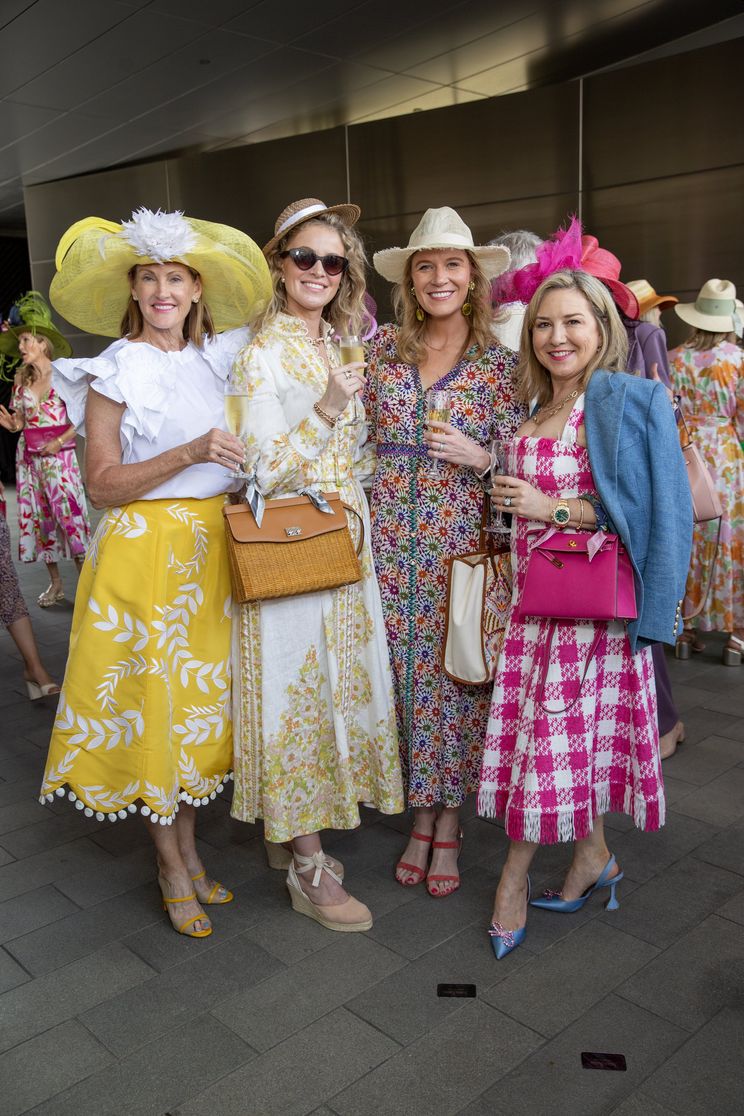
x=52 y=512
x=550 y=774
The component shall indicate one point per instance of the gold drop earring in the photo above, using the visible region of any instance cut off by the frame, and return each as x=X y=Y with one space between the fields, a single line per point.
x=420 y=315
x=467 y=306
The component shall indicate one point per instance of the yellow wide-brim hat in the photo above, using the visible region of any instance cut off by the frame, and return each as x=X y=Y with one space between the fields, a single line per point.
x=91 y=287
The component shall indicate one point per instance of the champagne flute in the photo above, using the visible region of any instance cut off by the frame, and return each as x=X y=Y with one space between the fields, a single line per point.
x=438 y=409
x=351 y=351
x=236 y=420
x=499 y=454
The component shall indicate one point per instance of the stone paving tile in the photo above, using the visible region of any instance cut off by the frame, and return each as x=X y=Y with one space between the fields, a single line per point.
x=707 y=1073
x=444 y=1070
x=374 y=846
x=565 y=981
x=701 y=723
x=289 y=936
x=49 y=867
x=49 y=832
x=31 y=910
x=425 y=922
x=155 y=1079
x=278 y=1007
x=294 y=1077
x=87 y=888
x=643 y=855
x=405 y=1004
x=720 y=802
x=689 y=888
x=735 y=731
x=641 y=1105
x=86 y=931
x=726 y=849
x=5 y=857
x=704 y=760
x=37 y=1069
x=49 y=1000
x=693 y=979
x=11 y=973
x=734 y=909
x=555 y=1070
x=22 y=791
x=137 y=1016
x=18 y=814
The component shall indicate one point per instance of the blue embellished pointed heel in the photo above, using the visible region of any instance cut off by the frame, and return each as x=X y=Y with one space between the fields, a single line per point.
x=552 y=900
x=504 y=941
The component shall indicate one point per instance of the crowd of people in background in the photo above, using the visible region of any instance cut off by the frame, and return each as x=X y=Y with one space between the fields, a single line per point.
x=561 y=412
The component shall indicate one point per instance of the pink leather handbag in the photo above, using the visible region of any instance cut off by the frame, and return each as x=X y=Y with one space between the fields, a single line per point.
x=706 y=503
x=580 y=576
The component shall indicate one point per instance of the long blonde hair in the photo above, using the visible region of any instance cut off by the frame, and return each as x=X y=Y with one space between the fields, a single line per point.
x=411 y=332
x=701 y=339
x=28 y=374
x=197 y=325
x=532 y=378
x=345 y=312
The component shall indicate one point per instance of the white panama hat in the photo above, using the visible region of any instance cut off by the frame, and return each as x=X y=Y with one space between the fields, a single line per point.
x=716 y=309
x=441 y=228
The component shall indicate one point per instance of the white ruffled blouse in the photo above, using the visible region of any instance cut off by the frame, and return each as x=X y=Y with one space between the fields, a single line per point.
x=170 y=398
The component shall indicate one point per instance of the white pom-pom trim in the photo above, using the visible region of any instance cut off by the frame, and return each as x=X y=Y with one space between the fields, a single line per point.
x=132 y=808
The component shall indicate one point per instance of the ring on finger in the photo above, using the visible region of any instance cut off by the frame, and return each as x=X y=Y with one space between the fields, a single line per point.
x=507 y=501
x=348 y=375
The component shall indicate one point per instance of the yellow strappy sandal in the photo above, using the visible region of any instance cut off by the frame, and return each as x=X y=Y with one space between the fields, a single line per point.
x=210 y=901
x=184 y=927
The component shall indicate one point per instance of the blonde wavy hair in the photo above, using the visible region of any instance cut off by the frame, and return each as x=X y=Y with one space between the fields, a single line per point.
x=27 y=374
x=533 y=379
x=702 y=339
x=411 y=332
x=196 y=327
x=345 y=312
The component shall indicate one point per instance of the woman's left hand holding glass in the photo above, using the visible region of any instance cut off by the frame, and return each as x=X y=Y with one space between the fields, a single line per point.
x=445 y=443
x=518 y=497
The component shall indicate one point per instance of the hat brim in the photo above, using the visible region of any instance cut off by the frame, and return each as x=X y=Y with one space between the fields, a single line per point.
x=623 y=296
x=9 y=340
x=663 y=302
x=91 y=287
x=347 y=211
x=712 y=323
x=390 y=263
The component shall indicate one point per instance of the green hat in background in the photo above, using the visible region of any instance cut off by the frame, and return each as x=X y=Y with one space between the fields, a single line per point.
x=31 y=314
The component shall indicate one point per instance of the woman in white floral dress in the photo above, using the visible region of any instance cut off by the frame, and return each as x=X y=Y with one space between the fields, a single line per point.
x=314 y=721
x=144 y=715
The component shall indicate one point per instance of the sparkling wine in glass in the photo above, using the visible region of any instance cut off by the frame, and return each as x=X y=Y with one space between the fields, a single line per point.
x=438 y=405
x=236 y=419
x=499 y=451
x=351 y=351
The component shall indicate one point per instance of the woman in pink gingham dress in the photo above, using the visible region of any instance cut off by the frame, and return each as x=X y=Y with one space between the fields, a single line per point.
x=572 y=732
x=549 y=774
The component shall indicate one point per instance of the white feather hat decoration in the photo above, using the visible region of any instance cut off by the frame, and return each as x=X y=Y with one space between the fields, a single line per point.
x=160 y=236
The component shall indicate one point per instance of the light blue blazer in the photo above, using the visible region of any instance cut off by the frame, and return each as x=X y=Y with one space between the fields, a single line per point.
x=641 y=478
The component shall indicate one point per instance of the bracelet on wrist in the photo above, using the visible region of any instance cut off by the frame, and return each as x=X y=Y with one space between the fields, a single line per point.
x=329 y=420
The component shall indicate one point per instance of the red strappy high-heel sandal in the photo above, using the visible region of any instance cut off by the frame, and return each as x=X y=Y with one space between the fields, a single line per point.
x=445 y=879
x=418 y=872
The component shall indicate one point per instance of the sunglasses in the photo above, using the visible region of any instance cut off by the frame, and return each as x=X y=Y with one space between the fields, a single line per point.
x=306 y=259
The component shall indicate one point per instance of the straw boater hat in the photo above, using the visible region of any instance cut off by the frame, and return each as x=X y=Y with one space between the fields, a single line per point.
x=441 y=228
x=716 y=309
x=297 y=212
x=91 y=287
x=32 y=315
x=647 y=297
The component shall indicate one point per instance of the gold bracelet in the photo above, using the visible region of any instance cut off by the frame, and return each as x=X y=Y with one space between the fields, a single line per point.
x=329 y=420
x=581 y=509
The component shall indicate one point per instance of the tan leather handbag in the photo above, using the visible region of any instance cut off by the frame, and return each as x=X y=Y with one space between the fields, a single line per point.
x=297 y=549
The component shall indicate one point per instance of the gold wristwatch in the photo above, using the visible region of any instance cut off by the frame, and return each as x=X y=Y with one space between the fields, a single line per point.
x=561 y=514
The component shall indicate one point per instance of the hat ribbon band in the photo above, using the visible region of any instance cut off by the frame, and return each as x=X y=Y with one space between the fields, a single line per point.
x=299 y=216
x=716 y=306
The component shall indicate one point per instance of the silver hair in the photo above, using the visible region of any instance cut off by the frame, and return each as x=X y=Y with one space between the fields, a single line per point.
x=522 y=245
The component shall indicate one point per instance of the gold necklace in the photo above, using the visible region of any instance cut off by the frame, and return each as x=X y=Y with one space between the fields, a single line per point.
x=542 y=416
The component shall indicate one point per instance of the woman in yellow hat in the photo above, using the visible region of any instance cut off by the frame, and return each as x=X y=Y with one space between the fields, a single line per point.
x=53 y=519
x=144 y=716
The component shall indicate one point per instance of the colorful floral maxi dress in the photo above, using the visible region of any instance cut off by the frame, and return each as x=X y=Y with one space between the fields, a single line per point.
x=423 y=512
x=52 y=513
x=313 y=712
x=711 y=383
x=549 y=774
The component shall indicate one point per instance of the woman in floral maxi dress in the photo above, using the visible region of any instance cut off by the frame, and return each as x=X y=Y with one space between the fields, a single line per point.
x=708 y=373
x=314 y=724
x=427 y=502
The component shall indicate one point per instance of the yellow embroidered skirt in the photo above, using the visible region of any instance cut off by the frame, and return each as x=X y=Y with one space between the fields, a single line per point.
x=144 y=714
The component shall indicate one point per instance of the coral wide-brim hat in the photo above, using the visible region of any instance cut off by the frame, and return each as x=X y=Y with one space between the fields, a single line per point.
x=441 y=228
x=91 y=288
x=647 y=297
x=606 y=266
x=716 y=309
x=33 y=316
